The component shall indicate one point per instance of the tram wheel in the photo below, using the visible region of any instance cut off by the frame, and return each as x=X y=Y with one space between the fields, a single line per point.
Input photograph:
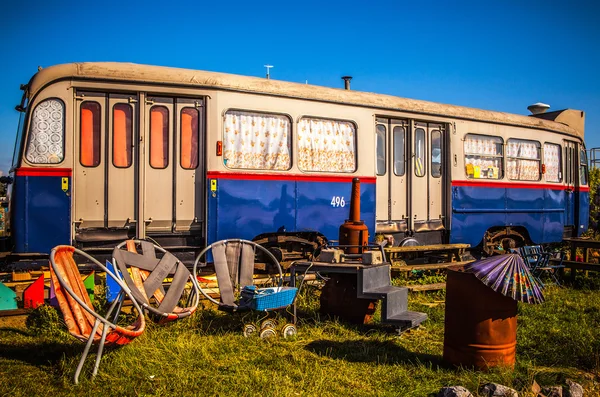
x=496 y=243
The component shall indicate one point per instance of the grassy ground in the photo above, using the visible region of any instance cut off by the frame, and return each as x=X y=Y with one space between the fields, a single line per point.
x=207 y=355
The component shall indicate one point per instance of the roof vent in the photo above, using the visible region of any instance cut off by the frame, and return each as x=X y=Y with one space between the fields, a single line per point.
x=538 y=108
x=347 y=81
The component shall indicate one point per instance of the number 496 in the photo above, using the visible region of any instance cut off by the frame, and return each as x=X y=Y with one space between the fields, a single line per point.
x=338 y=201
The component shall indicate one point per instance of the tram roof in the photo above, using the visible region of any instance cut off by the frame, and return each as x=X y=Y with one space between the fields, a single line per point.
x=196 y=78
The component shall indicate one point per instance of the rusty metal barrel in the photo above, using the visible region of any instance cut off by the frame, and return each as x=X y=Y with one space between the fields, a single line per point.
x=480 y=323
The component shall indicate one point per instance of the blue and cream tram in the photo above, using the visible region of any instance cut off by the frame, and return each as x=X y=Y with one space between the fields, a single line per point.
x=107 y=151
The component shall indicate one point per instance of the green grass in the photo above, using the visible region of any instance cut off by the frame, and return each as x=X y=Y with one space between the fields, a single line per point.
x=207 y=355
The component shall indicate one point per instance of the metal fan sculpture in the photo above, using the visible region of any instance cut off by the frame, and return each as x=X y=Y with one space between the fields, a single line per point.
x=508 y=275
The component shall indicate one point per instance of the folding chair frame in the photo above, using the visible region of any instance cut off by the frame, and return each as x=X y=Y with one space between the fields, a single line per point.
x=141 y=295
x=99 y=319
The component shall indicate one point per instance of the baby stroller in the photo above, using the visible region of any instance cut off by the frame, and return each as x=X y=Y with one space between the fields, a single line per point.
x=234 y=261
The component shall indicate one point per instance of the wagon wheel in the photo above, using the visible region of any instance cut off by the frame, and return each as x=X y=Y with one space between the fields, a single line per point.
x=268 y=323
x=250 y=330
x=289 y=331
x=502 y=238
x=267 y=332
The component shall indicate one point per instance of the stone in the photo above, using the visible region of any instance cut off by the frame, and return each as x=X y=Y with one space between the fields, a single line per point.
x=572 y=389
x=497 y=390
x=454 y=391
x=552 y=391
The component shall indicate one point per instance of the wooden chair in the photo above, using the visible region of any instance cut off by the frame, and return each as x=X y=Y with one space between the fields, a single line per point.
x=146 y=275
x=82 y=321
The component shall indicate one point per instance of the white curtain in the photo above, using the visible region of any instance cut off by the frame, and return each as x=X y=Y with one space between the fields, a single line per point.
x=522 y=169
x=552 y=162
x=256 y=141
x=326 y=145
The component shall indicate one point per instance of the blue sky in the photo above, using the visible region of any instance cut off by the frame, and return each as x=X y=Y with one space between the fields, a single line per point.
x=502 y=55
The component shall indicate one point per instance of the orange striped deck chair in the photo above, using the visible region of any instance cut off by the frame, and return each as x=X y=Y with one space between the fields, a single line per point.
x=147 y=274
x=82 y=321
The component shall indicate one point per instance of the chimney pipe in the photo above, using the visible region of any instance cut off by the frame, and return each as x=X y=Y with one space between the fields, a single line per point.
x=347 y=82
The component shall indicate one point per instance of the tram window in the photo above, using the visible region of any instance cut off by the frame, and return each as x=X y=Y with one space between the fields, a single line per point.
x=122 y=135
x=583 y=168
x=159 y=137
x=189 y=138
x=420 y=152
x=381 y=157
x=89 y=130
x=326 y=145
x=436 y=153
x=399 y=159
x=483 y=156
x=523 y=160
x=552 y=162
x=46 y=136
x=256 y=141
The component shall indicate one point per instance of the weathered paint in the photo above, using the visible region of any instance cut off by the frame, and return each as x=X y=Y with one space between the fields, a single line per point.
x=540 y=208
x=41 y=217
x=246 y=205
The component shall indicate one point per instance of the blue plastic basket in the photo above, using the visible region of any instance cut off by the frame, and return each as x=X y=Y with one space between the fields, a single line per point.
x=268 y=298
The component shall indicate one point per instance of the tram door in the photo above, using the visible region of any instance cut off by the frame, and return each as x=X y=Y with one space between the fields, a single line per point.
x=104 y=173
x=392 y=203
x=571 y=165
x=172 y=200
x=426 y=193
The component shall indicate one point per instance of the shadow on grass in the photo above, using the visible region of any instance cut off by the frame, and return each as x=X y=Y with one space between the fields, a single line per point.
x=38 y=353
x=372 y=351
x=13 y=330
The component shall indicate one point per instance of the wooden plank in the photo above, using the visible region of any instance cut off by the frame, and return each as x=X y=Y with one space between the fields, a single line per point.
x=595 y=267
x=431 y=266
x=426 y=287
x=14 y=312
x=425 y=248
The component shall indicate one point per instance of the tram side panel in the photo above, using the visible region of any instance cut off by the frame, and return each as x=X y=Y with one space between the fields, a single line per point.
x=246 y=205
x=41 y=215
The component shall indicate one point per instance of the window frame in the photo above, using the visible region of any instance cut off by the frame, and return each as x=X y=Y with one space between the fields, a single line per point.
x=560 y=161
x=377 y=135
x=99 y=146
x=501 y=156
x=112 y=115
x=583 y=166
x=150 y=132
x=424 y=160
x=439 y=132
x=356 y=159
x=30 y=124
x=180 y=124
x=404 y=129
x=539 y=159
x=290 y=137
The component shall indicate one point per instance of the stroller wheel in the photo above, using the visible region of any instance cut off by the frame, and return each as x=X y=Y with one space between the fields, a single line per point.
x=268 y=332
x=289 y=330
x=270 y=322
x=249 y=330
